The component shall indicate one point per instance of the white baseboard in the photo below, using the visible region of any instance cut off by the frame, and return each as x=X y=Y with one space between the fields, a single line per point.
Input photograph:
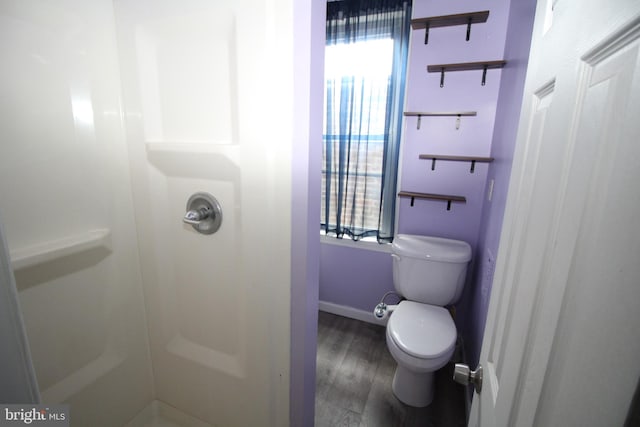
x=350 y=312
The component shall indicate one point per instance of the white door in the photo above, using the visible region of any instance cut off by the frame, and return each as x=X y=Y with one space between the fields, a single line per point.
x=208 y=105
x=562 y=337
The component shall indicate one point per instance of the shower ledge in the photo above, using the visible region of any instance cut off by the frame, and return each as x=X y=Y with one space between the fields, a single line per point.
x=49 y=251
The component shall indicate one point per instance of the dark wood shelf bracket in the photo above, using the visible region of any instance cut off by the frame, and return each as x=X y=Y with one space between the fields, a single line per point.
x=472 y=159
x=464 y=66
x=440 y=114
x=428 y=196
x=449 y=21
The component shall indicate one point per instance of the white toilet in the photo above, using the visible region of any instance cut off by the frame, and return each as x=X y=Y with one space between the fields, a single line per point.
x=430 y=273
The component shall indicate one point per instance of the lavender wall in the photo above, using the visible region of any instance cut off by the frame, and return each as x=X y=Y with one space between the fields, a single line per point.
x=355 y=278
x=462 y=91
x=358 y=278
x=475 y=302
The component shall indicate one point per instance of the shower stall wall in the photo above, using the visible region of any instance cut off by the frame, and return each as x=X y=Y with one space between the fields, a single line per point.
x=67 y=208
x=112 y=115
x=207 y=98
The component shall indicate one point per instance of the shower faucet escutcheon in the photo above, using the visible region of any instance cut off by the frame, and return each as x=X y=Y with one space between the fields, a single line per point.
x=204 y=213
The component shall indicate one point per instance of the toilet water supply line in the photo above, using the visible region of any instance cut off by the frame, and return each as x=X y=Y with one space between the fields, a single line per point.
x=382 y=310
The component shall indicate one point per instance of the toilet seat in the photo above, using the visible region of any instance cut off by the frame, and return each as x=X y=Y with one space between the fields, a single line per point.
x=422 y=331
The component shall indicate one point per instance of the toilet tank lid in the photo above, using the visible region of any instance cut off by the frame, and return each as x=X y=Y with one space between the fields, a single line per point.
x=432 y=248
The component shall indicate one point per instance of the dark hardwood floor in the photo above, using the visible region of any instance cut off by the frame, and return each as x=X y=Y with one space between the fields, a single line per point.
x=353 y=385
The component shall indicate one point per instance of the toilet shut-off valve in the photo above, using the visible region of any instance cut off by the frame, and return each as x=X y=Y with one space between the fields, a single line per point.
x=383 y=310
x=380 y=311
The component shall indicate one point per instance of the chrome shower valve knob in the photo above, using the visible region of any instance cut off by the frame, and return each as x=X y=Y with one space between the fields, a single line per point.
x=204 y=213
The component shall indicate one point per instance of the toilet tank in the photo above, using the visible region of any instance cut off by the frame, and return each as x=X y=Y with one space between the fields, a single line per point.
x=431 y=270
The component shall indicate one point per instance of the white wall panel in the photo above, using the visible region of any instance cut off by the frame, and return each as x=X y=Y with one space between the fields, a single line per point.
x=208 y=100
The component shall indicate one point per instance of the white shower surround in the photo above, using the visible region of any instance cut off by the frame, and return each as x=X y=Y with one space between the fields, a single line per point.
x=114 y=114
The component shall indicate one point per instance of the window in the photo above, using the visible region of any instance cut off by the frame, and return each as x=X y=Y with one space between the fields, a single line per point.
x=365 y=64
x=358 y=72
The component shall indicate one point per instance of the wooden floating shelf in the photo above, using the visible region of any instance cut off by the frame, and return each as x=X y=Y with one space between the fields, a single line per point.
x=440 y=114
x=449 y=21
x=458 y=114
x=428 y=196
x=465 y=66
x=472 y=159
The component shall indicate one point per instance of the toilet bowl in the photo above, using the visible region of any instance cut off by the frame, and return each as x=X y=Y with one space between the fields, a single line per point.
x=429 y=273
x=421 y=339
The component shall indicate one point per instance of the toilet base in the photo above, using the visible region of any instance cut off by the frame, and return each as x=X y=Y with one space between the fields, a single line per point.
x=411 y=388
